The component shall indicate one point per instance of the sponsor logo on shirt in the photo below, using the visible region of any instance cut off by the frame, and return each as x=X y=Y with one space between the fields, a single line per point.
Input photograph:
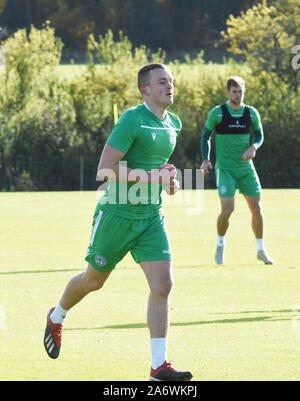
x=237 y=125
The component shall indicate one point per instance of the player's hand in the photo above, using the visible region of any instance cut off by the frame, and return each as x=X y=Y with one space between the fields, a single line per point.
x=206 y=166
x=172 y=187
x=167 y=172
x=170 y=167
x=249 y=153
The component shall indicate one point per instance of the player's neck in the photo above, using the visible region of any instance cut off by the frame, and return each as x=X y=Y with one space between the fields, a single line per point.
x=235 y=106
x=158 y=111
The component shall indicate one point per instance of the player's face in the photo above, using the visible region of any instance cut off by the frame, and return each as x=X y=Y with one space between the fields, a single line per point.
x=161 y=86
x=236 y=94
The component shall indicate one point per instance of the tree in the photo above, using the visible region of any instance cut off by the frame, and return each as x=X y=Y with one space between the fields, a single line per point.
x=265 y=35
x=177 y=26
x=2 y=5
x=27 y=57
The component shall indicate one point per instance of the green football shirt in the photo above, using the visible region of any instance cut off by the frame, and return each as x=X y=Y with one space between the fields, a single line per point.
x=147 y=143
x=229 y=148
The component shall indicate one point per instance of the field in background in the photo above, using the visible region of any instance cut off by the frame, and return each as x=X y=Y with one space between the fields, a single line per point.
x=240 y=321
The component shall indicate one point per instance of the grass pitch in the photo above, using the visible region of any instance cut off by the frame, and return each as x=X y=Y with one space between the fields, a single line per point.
x=240 y=321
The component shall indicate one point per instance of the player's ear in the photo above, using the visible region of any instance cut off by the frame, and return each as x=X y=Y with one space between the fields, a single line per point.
x=145 y=90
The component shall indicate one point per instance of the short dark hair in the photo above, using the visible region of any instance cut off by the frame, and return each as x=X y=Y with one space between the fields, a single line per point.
x=235 y=81
x=144 y=72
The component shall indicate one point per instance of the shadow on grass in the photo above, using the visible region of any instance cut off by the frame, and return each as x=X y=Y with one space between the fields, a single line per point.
x=181 y=324
x=62 y=270
x=124 y=267
x=256 y=311
x=41 y=271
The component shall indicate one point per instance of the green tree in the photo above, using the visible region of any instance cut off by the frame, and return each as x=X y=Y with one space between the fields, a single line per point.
x=265 y=35
x=37 y=118
x=109 y=78
x=2 y=5
x=178 y=26
x=27 y=56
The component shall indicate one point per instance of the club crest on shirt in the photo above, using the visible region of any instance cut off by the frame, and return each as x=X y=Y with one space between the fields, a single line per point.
x=172 y=136
x=223 y=189
x=100 y=260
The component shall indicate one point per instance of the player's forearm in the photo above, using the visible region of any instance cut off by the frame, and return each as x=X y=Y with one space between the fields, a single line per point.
x=205 y=144
x=258 y=138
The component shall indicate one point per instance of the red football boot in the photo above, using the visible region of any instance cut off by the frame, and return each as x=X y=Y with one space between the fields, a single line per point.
x=52 y=337
x=166 y=372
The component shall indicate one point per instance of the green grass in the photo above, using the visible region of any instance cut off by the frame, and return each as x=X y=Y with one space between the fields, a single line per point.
x=235 y=322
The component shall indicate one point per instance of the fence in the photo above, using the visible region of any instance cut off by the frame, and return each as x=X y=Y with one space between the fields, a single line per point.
x=55 y=174
x=78 y=173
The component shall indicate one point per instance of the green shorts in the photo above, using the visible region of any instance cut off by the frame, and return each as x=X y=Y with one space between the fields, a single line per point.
x=113 y=237
x=244 y=179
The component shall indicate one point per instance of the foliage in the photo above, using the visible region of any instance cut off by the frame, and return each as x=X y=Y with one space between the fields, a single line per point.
x=265 y=35
x=53 y=127
x=2 y=5
x=29 y=61
x=111 y=81
x=177 y=26
x=36 y=111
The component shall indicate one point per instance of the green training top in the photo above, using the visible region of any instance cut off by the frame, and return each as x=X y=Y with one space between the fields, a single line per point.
x=229 y=148
x=148 y=143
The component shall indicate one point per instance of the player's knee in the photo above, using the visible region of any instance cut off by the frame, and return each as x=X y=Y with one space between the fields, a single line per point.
x=227 y=212
x=94 y=285
x=256 y=209
x=163 y=289
x=94 y=280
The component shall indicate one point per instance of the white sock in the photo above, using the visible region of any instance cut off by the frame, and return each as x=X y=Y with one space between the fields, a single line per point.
x=158 y=351
x=260 y=244
x=58 y=315
x=221 y=240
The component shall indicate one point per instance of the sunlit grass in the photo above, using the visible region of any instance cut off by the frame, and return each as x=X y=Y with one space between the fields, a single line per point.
x=235 y=322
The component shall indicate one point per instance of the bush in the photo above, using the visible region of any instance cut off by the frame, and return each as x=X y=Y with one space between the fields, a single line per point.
x=37 y=117
x=50 y=126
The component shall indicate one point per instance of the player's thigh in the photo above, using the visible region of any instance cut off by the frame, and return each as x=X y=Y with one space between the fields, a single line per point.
x=159 y=275
x=226 y=183
x=254 y=203
x=153 y=252
x=227 y=204
x=249 y=184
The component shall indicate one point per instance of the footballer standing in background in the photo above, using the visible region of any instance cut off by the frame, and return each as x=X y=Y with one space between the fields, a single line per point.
x=136 y=153
x=233 y=122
